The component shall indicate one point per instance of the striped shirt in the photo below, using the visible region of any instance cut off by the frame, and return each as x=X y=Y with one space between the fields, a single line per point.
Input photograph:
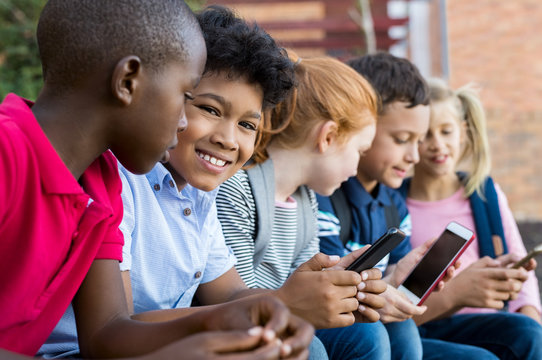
x=237 y=214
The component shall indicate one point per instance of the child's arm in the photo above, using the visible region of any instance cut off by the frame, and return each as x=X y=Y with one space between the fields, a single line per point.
x=105 y=328
x=484 y=284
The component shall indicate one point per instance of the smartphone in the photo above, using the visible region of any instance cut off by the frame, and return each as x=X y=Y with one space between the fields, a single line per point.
x=383 y=246
x=432 y=267
x=534 y=252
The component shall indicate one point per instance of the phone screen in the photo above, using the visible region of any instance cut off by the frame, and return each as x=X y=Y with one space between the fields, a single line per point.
x=434 y=263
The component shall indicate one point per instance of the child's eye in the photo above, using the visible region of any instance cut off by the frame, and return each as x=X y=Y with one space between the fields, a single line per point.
x=401 y=141
x=210 y=110
x=247 y=125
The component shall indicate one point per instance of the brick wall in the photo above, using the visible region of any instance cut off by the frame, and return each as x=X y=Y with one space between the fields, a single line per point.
x=497 y=45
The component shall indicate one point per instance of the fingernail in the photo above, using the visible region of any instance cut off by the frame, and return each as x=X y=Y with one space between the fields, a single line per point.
x=269 y=335
x=257 y=330
x=334 y=258
x=286 y=349
x=361 y=308
x=364 y=276
x=361 y=296
x=361 y=286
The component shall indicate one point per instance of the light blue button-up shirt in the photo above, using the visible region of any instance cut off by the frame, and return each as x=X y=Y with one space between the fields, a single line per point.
x=173 y=240
x=173 y=243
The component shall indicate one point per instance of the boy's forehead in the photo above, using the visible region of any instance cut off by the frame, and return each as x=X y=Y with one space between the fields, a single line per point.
x=398 y=117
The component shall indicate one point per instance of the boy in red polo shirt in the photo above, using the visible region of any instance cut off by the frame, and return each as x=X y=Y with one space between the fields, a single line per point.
x=117 y=75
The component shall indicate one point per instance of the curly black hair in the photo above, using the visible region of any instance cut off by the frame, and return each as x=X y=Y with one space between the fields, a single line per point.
x=245 y=50
x=394 y=78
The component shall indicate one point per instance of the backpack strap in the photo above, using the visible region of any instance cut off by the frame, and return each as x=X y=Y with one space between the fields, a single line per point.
x=262 y=181
x=487 y=219
x=306 y=220
x=343 y=212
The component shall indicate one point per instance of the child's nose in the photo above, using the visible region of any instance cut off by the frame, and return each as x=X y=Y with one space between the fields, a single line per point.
x=183 y=123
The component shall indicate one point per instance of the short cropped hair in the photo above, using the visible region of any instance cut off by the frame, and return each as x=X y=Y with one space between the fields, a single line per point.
x=241 y=49
x=78 y=38
x=394 y=79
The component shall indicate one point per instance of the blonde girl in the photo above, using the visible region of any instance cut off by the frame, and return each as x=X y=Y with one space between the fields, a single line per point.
x=439 y=193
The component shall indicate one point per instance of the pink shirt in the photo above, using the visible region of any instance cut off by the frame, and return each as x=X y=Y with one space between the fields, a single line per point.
x=50 y=229
x=430 y=218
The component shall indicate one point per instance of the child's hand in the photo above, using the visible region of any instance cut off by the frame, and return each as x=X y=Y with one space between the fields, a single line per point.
x=486 y=284
x=267 y=312
x=324 y=298
x=397 y=306
x=234 y=345
x=369 y=295
x=407 y=263
x=509 y=260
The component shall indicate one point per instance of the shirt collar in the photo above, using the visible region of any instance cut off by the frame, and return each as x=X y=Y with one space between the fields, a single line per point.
x=360 y=197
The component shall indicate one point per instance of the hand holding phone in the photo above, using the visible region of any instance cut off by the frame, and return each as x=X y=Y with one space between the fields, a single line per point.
x=444 y=252
x=383 y=246
x=534 y=252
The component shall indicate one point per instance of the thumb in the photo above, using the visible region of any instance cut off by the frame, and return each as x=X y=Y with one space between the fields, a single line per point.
x=233 y=341
x=318 y=262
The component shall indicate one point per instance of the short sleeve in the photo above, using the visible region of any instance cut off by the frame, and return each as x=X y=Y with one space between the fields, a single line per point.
x=128 y=221
x=329 y=228
x=405 y=225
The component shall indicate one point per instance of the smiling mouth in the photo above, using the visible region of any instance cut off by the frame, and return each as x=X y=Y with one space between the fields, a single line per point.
x=213 y=160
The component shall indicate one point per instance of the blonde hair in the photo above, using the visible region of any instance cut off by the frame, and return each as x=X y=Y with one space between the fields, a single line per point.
x=465 y=104
x=327 y=89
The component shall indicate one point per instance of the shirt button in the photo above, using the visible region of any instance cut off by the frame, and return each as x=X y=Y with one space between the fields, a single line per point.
x=171 y=184
x=156 y=187
x=187 y=212
x=197 y=275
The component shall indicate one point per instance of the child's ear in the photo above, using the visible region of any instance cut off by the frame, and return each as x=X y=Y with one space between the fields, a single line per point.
x=326 y=135
x=126 y=77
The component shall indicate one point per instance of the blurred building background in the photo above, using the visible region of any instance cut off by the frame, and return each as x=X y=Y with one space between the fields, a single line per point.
x=492 y=43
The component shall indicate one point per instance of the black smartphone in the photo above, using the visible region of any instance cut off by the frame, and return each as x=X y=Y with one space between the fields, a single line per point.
x=383 y=246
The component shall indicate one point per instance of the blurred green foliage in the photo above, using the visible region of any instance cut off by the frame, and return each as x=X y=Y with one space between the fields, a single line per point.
x=20 y=68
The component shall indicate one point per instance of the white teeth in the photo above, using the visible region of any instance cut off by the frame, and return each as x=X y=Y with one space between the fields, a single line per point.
x=212 y=159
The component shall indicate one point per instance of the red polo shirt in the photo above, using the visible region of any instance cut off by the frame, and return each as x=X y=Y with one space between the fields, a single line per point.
x=50 y=229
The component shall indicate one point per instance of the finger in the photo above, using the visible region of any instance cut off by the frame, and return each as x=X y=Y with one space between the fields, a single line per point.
x=341 y=277
x=367 y=314
x=264 y=352
x=531 y=265
x=370 y=300
x=318 y=262
x=406 y=307
x=232 y=341
x=347 y=305
x=371 y=274
x=296 y=337
x=273 y=315
x=373 y=286
x=301 y=356
x=349 y=259
x=485 y=262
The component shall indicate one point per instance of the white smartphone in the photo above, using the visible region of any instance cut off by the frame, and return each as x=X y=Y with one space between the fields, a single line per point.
x=444 y=252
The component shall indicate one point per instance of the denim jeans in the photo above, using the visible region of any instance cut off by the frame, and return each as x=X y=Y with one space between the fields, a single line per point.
x=506 y=335
x=317 y=351
x=371 y=341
